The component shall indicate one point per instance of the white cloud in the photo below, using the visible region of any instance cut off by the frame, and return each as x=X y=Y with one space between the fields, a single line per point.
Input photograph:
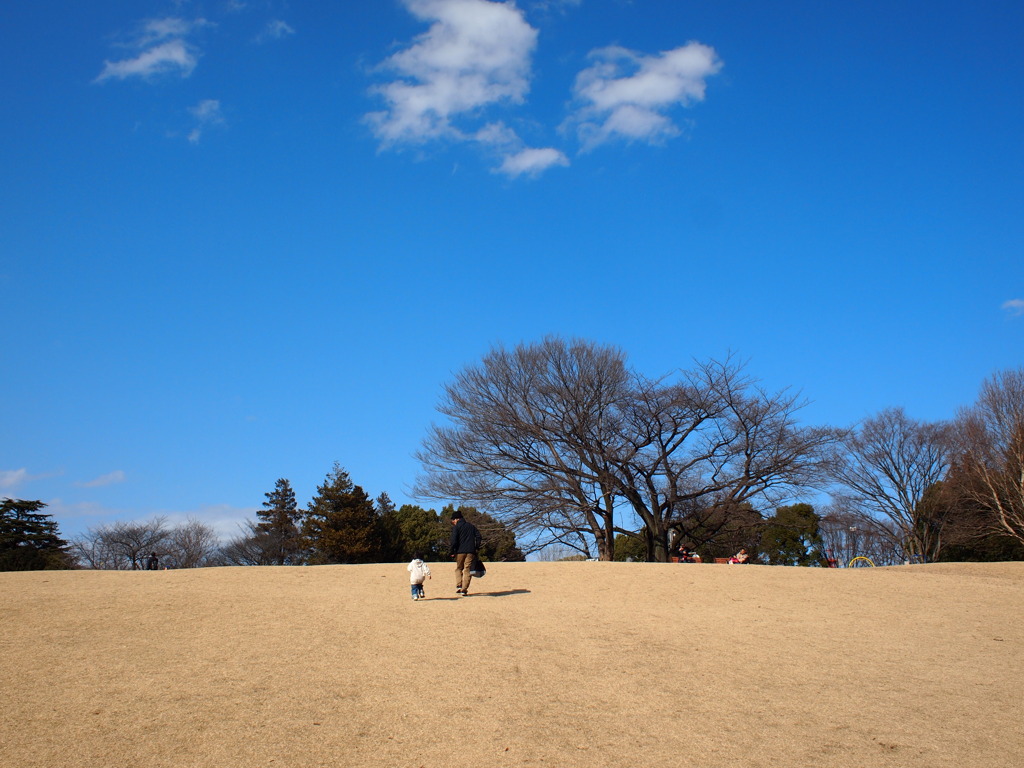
x=156 y=30
x=532 y=162
x=475 y=54
x=516 y=158
x=226 y=520
x=111 y=478
x=161 y=48
x=12 y=478
x=275 y=30
x=554 y=5
x=625 y=94
x=207 y=113
x=174 y=55
x=1014 y=307
x=75 y=519
x=497 y=135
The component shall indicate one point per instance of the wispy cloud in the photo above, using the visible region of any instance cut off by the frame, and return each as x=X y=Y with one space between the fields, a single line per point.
x=111 y=478
x=76 y=518
x=227 y=521
x=553 y=5
x=532 y=162
x=516 y=158
x=1014 y=307
x=275 y=30
x=626 y=95
x=207 y=113
x=12 y=478
x=160 y=47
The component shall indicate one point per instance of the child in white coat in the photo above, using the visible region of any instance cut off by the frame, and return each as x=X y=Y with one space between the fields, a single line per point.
x=418 y=572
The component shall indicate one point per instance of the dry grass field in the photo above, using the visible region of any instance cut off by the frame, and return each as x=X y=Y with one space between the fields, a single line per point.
x=545 y=664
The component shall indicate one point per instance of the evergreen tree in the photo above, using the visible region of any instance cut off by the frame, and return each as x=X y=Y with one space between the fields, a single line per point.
x=341 y=525
x=423 y=533
x=792 y=536
x=499 y=542
x=969 y=533
x=392 y=547
x=29 y=539
x=632 y=548
x=278 y=528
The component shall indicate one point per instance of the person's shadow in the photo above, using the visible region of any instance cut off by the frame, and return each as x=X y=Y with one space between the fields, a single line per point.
x=506 y=593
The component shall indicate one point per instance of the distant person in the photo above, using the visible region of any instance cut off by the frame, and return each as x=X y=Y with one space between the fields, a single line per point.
x=685 y=555
x=153 y=563
x=739 y=558
x=464 y=543
x=418 y=572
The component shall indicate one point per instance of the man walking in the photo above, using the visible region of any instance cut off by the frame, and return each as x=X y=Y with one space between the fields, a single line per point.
x=464 y=543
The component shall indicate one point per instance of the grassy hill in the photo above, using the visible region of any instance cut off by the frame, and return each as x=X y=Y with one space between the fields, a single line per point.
x=545 y=664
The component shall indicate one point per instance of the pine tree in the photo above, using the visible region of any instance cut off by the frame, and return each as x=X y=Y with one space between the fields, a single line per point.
x=279 y=525
x=423 y=533
x=341 y=525
x=499 y=542
x=792 y=536
x=392 y=545
x=29 y=540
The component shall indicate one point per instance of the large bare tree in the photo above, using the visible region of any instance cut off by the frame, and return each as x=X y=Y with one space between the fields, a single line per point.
x=887 y=464
x=992 y=446
x=710 y=442
x=527 y=434
x=562 y=437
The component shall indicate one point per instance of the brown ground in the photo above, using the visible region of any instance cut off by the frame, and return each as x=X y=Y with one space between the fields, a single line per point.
x=557 y=664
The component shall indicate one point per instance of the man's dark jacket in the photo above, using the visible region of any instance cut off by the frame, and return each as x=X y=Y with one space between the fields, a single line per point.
x=465 y=538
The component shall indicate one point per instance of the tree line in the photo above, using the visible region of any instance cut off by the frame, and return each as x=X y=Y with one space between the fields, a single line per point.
x=562 y=446
x=341 y=524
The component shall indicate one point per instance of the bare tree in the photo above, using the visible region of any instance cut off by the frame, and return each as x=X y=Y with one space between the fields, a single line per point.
x=847 y=534
x=253 y=547
x=991 y=435
x=562 y=437
x=192 y=544
x=91 y=551
x=887 y=465
x=122 y=545
x=125 y=545
x=712 y=441
x=527 y=434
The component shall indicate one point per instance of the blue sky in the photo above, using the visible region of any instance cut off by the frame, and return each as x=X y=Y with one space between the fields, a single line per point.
x=244 y=240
